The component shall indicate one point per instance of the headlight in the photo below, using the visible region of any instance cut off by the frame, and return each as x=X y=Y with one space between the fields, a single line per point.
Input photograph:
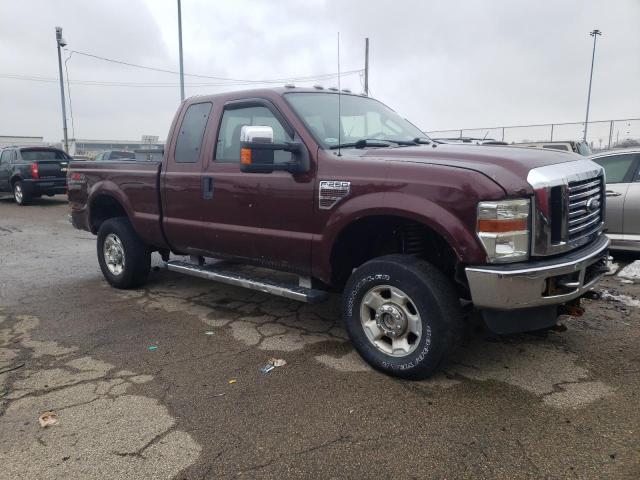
x=503 y=229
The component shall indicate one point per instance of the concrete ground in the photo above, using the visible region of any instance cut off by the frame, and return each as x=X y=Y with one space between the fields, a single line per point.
x=142 y=382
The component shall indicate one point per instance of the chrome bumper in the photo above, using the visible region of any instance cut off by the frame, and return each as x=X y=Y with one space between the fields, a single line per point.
x=538 y=283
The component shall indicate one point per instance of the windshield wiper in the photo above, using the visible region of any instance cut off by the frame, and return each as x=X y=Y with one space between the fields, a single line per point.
x=365 y=142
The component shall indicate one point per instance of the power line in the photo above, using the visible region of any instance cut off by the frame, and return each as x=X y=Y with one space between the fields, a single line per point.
x=73 y=126
x=103 y=83
x=210 y=77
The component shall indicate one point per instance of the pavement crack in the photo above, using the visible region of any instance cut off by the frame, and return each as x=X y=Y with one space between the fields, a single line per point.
x=66 y=407
x=322 y=446
x=11 y=369
x=140 y=452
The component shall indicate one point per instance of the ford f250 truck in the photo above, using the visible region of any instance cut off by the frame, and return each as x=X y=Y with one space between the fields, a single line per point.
x=337 y=192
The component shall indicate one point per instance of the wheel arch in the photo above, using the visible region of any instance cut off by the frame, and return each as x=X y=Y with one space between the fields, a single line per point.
x=102 y=207
x=15 y=178
x=394 y=232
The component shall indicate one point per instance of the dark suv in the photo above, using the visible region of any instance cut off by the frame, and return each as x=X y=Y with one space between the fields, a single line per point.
x=30 y=172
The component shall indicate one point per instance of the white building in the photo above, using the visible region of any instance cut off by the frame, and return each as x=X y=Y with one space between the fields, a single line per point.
x=21 y=141
x=91 y=148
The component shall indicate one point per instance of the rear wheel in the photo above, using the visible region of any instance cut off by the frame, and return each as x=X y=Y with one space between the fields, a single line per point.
x=124 y=259
x=21 y=197
x=402 y=314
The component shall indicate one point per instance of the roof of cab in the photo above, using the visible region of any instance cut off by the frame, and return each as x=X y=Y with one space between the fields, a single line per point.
x=265 y=92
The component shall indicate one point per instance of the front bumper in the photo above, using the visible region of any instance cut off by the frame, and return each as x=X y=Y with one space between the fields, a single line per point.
x=538 y=283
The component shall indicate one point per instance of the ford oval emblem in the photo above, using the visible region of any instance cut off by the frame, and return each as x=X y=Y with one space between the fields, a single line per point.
x=593 y=204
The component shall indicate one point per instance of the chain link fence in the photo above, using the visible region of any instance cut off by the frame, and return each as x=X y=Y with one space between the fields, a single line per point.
x=601 y=135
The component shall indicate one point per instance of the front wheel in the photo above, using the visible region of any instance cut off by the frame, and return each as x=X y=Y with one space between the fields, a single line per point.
x=402 y=315
x=124 y=259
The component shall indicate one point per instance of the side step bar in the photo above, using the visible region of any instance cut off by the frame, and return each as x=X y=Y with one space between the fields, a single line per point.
x=217 y=274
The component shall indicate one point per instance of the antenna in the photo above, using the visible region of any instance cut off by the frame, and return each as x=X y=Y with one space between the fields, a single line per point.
x=339 y=102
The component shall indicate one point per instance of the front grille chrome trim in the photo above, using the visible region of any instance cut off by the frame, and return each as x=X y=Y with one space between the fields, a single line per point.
x=580 y=184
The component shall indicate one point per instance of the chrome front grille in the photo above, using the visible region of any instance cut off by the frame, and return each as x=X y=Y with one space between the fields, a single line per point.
x=585 y=199
x=569 y=206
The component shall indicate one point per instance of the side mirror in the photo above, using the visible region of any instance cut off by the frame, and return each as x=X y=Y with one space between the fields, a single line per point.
x=257 y=151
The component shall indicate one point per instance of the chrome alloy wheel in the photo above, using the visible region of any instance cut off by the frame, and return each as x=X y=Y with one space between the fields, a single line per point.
x=391 y=320
x=113 y=252
x=17 y=193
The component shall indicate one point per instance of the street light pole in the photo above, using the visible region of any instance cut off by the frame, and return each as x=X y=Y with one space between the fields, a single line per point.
x=366 y=66
x=594 y=34
x=61 y=43
x=180 y=48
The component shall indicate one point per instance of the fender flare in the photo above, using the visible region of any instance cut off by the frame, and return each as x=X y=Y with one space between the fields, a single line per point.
x=110 y=189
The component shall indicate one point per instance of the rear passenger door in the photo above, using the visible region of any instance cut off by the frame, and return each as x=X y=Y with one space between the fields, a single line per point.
x=619 y=172
x=183 y=192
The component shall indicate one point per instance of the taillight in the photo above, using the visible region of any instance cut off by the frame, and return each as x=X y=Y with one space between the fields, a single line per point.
x=34 y=171
x=75 y=176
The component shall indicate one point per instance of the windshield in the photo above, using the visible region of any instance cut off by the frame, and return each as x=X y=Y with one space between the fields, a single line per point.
x=360 y=118
x=35 y=155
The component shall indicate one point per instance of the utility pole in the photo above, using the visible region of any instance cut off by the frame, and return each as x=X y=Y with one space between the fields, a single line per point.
x=366 y=66
x=61 y=43
x=594 y=34
x=180 y=48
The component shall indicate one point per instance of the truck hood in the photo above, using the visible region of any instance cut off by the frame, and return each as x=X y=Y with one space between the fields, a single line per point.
x=507 y=166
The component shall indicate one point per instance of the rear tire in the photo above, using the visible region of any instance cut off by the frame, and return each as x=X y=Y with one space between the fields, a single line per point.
x=403 y=315
x=21 y=197
x=124 y=259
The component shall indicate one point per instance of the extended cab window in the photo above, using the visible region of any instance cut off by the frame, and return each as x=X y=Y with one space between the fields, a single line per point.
x=189 y=144
x=616 y=167
x=228 y=145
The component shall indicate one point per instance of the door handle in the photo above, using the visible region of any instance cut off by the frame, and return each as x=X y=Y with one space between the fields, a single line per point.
x=207 y=188
x=611 y=193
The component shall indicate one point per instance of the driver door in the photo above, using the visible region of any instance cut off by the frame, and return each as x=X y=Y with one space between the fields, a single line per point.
x=266 y=217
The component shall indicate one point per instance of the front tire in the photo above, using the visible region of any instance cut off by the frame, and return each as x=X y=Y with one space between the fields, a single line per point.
x=124 y=259
x=21 y=197
x=402 y=314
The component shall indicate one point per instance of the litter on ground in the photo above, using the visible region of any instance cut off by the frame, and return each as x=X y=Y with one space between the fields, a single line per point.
x=273 y=363
x=47 y=419
x=267 y=368
x=152 y=347
x=232 y=381
x=277 y=362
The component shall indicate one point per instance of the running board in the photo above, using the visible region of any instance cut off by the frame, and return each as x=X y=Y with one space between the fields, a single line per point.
x=241 y=279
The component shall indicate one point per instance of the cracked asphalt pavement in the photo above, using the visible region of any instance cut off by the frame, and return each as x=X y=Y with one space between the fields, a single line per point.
x=140 y=382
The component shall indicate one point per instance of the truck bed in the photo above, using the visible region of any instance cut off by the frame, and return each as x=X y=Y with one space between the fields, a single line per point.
x=135 y=185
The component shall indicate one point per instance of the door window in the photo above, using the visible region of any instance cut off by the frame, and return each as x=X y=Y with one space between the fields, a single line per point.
x=189 y=144
x=616 y=167
x=228 y=145
x=4 y=158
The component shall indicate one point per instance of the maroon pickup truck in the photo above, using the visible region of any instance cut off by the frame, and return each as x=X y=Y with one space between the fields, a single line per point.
x=336 y=192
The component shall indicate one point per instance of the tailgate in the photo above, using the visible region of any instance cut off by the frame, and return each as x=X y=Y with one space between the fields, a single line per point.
x=50 y=169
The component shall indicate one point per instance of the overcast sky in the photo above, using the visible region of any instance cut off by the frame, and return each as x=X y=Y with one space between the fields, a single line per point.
x=442 y=64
